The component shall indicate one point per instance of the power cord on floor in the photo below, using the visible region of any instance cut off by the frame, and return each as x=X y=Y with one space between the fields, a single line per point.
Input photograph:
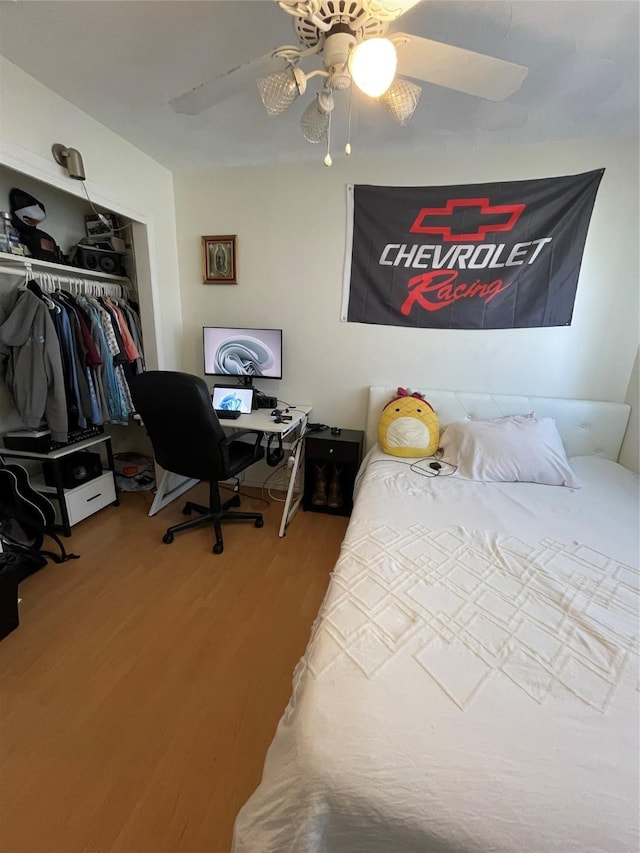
x=282 y=468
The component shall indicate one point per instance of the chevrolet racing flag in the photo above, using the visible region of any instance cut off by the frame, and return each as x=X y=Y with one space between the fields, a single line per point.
x=480 y=256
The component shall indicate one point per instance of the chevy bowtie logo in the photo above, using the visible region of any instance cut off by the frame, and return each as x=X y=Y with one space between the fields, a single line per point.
x=453 y=220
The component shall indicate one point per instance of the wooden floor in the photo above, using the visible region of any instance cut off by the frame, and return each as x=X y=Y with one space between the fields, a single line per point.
x=145 y=682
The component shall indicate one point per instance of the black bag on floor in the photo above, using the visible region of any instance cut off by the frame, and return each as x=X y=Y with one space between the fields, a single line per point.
x=9 y=570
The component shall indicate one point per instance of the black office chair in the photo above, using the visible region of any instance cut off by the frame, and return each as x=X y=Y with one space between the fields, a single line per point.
x=187 y=439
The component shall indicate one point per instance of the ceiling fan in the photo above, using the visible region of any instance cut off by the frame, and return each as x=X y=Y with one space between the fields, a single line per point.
x=351 y=37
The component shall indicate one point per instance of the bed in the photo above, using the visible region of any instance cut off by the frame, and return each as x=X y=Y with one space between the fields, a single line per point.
x=471 y=680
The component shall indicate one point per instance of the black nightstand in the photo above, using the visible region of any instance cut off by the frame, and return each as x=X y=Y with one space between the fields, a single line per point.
x=332 y=453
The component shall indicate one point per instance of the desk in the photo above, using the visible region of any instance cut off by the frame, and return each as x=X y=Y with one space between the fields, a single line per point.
x=168 y=490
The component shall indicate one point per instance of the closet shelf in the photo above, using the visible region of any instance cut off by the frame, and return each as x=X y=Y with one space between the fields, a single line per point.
x=48 y=266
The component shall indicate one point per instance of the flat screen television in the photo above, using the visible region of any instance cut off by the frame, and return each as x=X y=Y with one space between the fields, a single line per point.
x=244 y=354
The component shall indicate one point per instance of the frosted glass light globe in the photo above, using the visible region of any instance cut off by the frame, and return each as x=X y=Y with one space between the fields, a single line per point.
x=373 y=66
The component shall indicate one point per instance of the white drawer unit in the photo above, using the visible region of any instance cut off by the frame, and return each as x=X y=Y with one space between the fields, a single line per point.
x=78 y=502
x=86 y=499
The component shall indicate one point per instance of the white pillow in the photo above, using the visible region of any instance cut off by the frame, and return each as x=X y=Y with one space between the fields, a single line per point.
x=511 y=449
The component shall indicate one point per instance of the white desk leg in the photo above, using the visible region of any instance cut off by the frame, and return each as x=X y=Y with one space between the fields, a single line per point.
x=291 y=504
x=165 y=494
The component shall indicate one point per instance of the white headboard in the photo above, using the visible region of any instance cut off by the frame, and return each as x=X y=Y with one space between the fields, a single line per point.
x=587 y=427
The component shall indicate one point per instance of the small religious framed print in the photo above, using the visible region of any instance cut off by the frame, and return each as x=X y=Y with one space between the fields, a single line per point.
x=219 y=260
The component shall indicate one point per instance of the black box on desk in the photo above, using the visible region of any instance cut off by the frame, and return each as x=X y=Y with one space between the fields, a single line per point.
x=75 y=469
x=33 y=441
x=264 y=402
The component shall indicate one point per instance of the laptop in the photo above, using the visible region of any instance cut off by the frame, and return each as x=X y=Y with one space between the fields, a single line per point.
x=230 y=403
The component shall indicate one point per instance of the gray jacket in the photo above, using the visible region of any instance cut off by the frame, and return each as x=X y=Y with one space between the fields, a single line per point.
x=30 y=350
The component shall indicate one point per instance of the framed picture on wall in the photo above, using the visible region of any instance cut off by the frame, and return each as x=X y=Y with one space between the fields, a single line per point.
x=219 y=260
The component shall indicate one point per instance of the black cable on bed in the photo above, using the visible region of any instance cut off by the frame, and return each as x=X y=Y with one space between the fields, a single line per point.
x=435 y=467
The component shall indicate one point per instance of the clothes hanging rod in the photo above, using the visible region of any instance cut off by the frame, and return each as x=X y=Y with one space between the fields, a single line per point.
x=5 y=270
x=50 y=282
x=51 y=279
x=63 y=269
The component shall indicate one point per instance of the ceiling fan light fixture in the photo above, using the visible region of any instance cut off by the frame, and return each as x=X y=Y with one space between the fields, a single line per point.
x=315 y=119
x=280 y=89
x=401 y=100
x=373 y=66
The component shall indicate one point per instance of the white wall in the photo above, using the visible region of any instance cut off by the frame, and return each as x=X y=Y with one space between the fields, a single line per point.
x=119 y=177
x=290 y=222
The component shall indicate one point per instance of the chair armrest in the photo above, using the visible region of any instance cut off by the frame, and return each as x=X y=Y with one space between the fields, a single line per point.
x=234 y=435
x=259 y=434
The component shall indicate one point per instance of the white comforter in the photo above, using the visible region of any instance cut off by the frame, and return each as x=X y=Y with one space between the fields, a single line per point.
x=471 y=683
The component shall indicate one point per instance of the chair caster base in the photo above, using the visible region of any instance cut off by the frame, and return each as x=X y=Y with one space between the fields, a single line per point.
x=259 y=522
x=218 y=548
x=167 y=538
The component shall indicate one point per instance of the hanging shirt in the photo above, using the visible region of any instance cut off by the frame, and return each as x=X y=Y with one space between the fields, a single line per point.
x=34 y=365
x=130 y=347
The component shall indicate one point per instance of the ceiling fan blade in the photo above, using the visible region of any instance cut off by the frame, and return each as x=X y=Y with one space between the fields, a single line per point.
x=457 y=68
x=223 y=87
x=390 y=10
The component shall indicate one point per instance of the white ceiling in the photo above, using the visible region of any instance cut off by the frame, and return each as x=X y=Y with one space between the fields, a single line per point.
x=121 y=61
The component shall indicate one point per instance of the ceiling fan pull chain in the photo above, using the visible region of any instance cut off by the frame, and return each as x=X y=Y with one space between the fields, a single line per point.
x=327 y=160
x=347 y=147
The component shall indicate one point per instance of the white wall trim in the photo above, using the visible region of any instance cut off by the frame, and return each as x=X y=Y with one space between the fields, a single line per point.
x=29 y=163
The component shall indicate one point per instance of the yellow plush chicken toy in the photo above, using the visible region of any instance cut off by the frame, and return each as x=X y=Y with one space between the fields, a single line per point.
x=408 y=426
